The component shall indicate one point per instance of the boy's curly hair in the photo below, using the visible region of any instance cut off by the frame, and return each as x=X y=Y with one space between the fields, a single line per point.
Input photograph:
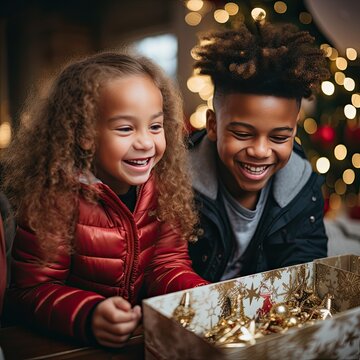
x=43 y=162
x=270 y=59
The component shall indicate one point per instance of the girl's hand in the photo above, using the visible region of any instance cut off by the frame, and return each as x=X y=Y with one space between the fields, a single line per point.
x=114 y=320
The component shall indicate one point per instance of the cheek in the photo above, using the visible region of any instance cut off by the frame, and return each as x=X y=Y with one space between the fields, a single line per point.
x=284 y=152
x=160 y=145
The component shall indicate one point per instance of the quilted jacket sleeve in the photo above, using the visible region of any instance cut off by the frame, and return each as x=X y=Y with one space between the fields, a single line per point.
x=39 y=292
x=170 y=269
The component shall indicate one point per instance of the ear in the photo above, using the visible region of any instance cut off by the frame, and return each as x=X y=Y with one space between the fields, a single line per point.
x=211 y=125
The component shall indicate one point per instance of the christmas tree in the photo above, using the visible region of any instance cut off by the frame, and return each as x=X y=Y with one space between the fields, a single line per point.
x=329 y=129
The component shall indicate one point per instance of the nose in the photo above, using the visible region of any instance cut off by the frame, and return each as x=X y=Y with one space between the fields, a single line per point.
x=143 y=141
x=259 y=149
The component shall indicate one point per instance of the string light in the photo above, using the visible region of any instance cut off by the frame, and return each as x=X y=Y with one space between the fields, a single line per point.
x=221 y=16
x=341 y=63
x=195 y=83
x=194 y=5
x=305 y=18
x=348 y=176
x=258 y=14
x=356 y=160
x=5 y=134
x=198 y=118
x=310 y=126
x=350 y=111
x=323 y=165
x=355 y=99
x=231 y=8
x=327 y=87
x=340 y=152
x=349 y=84
x=351 y=54
x=339 y=77
x=193 y=18
x=334 y=54
x=280 y=7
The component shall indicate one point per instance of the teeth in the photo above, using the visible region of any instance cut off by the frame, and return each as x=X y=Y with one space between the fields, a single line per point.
x=138 y=162
x=255 y=169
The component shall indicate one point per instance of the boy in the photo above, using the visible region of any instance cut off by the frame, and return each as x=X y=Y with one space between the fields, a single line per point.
x=260 y=204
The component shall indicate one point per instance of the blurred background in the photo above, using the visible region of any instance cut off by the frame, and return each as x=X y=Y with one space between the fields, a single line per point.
x=38 y=36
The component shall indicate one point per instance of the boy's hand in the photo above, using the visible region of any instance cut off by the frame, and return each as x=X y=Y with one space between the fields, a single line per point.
x=114 y=320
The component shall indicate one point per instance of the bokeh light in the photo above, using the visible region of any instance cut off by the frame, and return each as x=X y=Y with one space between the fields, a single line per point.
x=322 y=165
x=348 y=176
x=231 y=8
x=280 y=7
x=340 y=152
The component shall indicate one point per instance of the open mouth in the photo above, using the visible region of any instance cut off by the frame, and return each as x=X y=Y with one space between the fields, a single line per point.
x=254 y=170
x=138 y=162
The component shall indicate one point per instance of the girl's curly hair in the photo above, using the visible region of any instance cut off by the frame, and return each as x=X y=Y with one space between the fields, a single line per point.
x=42 y=164
x=270 y=59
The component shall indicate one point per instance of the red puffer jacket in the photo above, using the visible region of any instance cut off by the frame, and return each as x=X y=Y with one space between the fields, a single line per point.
x=117 y=252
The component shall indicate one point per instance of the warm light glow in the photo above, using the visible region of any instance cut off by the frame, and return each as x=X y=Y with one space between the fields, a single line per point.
x=221 y=16
x=327 y=87
x=356 y=160
x=231 y=8
x=348 y=176
x=310 y=125
x=5 y=134
x=198 y=118
x=340 y=187
x=351 y=54
x=349 y=84
x=351 y=199
x=280 y=7
x=258 y=14
x=195 y=83
x=340 y=152
x=298 y=140
x=193 y=18
x=355 y=99
x=327 y=49
x=194 y=5
x=305 y=18
x=350 y=111
x=334 y=201
x=323 y=165
x=210 y=103
x=339 y=77
x=341 y=63
x=334 y=54
x=206 y=91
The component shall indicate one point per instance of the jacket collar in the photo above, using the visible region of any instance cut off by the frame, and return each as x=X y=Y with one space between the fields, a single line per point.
x=287 y=183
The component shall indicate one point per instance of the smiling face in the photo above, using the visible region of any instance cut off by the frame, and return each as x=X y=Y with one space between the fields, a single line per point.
x=130 y=133
x=254 y=135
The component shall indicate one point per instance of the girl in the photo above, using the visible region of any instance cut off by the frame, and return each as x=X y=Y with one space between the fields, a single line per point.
x=98 y=180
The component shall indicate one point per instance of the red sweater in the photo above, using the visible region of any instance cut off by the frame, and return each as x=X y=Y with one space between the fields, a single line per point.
x=117 y=252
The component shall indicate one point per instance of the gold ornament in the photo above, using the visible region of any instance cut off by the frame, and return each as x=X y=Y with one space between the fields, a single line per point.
x=183 y=313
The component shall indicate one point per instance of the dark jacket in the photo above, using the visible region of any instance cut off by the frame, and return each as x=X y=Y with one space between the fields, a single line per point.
x=291 y=229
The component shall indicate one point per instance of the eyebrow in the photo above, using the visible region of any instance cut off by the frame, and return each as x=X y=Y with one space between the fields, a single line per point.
x=240 y=123
x=129 y=117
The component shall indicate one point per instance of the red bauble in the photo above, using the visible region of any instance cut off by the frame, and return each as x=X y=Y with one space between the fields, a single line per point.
x=325 y=135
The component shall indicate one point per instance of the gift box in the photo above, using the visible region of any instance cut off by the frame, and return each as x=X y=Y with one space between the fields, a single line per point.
x=337 y=336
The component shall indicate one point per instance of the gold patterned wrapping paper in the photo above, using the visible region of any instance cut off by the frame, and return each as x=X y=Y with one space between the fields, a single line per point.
x=337 y=337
